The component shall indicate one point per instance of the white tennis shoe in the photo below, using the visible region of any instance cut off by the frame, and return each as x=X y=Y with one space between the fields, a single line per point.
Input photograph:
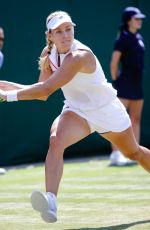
x=45 y=203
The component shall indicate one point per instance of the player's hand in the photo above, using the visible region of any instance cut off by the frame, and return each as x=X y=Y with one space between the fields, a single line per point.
x=3 y=96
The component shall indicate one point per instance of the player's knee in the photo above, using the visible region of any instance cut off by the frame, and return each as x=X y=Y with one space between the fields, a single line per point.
x=56 y=143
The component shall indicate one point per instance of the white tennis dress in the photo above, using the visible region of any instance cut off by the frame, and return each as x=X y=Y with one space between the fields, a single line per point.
x=92 y=97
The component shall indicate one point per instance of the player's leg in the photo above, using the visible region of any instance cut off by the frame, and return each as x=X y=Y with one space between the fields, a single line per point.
x=116 y=157
x=135 y=112
x=125 y=141
x=66 y=130
x=125 y=102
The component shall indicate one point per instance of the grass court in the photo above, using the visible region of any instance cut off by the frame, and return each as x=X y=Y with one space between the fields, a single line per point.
x=92 y=196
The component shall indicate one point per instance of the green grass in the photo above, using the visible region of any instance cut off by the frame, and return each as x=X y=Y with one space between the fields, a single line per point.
x=92 y=196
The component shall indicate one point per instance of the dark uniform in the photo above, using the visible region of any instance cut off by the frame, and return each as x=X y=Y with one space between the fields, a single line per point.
x=129 y=83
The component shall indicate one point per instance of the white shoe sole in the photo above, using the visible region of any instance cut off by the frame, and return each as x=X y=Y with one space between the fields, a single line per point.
x=40 y=203
x=49 y=216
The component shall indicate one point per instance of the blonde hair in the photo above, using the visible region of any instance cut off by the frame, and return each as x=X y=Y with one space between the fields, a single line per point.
x=44 y=61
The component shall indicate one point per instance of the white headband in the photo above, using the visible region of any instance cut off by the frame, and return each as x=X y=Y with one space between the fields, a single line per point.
x=58 y=20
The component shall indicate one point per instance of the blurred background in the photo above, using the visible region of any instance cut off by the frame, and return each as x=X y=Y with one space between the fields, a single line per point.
x=25 y=125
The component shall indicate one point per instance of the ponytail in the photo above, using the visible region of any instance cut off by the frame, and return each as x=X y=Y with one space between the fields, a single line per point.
x=44 y=61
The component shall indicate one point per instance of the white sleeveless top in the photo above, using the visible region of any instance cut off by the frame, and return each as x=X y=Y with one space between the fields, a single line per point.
x=84 y=91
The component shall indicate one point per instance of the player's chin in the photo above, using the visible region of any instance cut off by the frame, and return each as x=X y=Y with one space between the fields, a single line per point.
x=67 y=44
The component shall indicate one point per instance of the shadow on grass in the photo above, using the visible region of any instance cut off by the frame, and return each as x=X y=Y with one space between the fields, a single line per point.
x=115 y=227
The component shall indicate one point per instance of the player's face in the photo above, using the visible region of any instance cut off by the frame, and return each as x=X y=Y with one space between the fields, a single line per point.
x=135 y=23
x=62 y=37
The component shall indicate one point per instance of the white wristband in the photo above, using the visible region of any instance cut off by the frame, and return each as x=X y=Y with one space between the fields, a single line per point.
x=12 y=95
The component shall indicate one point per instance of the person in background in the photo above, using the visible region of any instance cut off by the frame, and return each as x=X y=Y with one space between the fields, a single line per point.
x=126 y=67
x=91 y=105
x=2 y=170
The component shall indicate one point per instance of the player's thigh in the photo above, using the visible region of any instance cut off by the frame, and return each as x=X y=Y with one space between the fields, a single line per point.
x=135 y=109
x=70 y=128
x=124 y=141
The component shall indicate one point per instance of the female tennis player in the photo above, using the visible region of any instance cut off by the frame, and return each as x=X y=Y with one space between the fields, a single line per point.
x=90 y=105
